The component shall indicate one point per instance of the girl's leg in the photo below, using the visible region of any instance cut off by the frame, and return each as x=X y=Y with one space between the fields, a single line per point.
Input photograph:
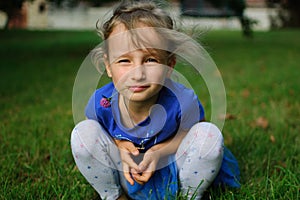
x=199 y=158
x=97 y=158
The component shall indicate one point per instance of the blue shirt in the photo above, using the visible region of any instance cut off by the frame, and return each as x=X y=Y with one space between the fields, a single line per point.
x=177 y=107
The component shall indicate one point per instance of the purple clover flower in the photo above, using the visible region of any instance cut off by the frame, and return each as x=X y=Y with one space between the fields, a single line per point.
x=105 y=102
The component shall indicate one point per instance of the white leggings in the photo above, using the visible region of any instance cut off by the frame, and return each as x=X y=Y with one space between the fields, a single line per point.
x=198 y=158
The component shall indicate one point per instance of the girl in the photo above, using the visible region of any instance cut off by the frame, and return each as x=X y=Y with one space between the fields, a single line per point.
x=144 y=137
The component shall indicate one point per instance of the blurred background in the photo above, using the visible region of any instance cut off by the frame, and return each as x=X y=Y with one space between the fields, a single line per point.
x=217 y=14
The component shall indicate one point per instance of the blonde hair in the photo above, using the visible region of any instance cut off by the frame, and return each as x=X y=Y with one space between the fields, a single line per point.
x=132 y=13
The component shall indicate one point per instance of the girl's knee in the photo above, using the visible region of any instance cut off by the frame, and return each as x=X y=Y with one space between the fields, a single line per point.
x=84 y=135
x=207 y=128
x=209 y=140
x=87 y=128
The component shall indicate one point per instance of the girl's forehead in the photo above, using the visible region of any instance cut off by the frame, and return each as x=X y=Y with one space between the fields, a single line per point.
x=122 y=40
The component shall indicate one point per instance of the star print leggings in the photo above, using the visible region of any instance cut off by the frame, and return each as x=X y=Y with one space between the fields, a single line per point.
x=198 y=159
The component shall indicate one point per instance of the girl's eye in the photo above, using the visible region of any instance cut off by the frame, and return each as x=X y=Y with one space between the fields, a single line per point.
x=151 y=60
x=123 y=61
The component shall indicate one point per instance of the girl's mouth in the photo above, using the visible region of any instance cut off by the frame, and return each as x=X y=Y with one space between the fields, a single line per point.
x=138 y=88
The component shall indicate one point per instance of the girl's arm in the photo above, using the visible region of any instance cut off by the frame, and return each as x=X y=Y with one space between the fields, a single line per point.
x=170 y=146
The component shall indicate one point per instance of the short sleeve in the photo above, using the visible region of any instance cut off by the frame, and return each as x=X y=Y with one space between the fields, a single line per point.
x=192 y=110
x=90 y=109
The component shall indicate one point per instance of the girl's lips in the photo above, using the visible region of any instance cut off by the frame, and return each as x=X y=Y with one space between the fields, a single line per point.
x=138 y=88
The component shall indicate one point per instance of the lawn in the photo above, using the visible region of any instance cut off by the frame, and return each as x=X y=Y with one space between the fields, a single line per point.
x=262 y=127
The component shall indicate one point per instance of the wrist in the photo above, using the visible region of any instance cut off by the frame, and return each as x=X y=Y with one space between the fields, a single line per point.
x=157 y=150
x=117 y=142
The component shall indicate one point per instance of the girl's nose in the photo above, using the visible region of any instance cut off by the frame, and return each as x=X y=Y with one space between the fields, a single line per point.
x=139 y=73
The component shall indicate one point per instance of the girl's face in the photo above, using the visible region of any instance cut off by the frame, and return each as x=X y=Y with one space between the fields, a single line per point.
x=138 y=74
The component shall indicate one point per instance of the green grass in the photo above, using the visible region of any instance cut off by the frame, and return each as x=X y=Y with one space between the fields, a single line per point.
x=37 y=75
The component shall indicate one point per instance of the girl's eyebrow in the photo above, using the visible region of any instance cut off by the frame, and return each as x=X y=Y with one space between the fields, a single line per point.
x=116 y=56
x=155 y=52
x=160 y=54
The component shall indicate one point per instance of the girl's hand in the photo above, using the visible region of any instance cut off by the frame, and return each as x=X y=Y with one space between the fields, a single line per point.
x=127 y=149
x=147 y=167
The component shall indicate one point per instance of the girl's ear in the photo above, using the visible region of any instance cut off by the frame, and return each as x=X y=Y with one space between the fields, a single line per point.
x=171 y=64
x=107 y=65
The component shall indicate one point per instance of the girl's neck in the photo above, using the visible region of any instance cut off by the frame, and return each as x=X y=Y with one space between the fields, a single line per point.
x=132 y=112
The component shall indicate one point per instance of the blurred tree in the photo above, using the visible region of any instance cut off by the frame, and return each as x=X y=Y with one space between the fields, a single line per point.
x=238 y=7
x=288 y=13
x=222 y=8
x=68 y=3
x=75 y=2
x=12 y=8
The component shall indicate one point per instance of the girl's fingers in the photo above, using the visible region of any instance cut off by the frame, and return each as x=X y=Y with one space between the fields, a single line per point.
x=133 y=150
x=127 y=174
x=128 y=165
x=126 y=158
x=128 y=178
x=127 y=146
x=148 y=163
x=146 y=170
x=136 y=176
x=142 y=178
x=139 y=182
x=143 y=165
